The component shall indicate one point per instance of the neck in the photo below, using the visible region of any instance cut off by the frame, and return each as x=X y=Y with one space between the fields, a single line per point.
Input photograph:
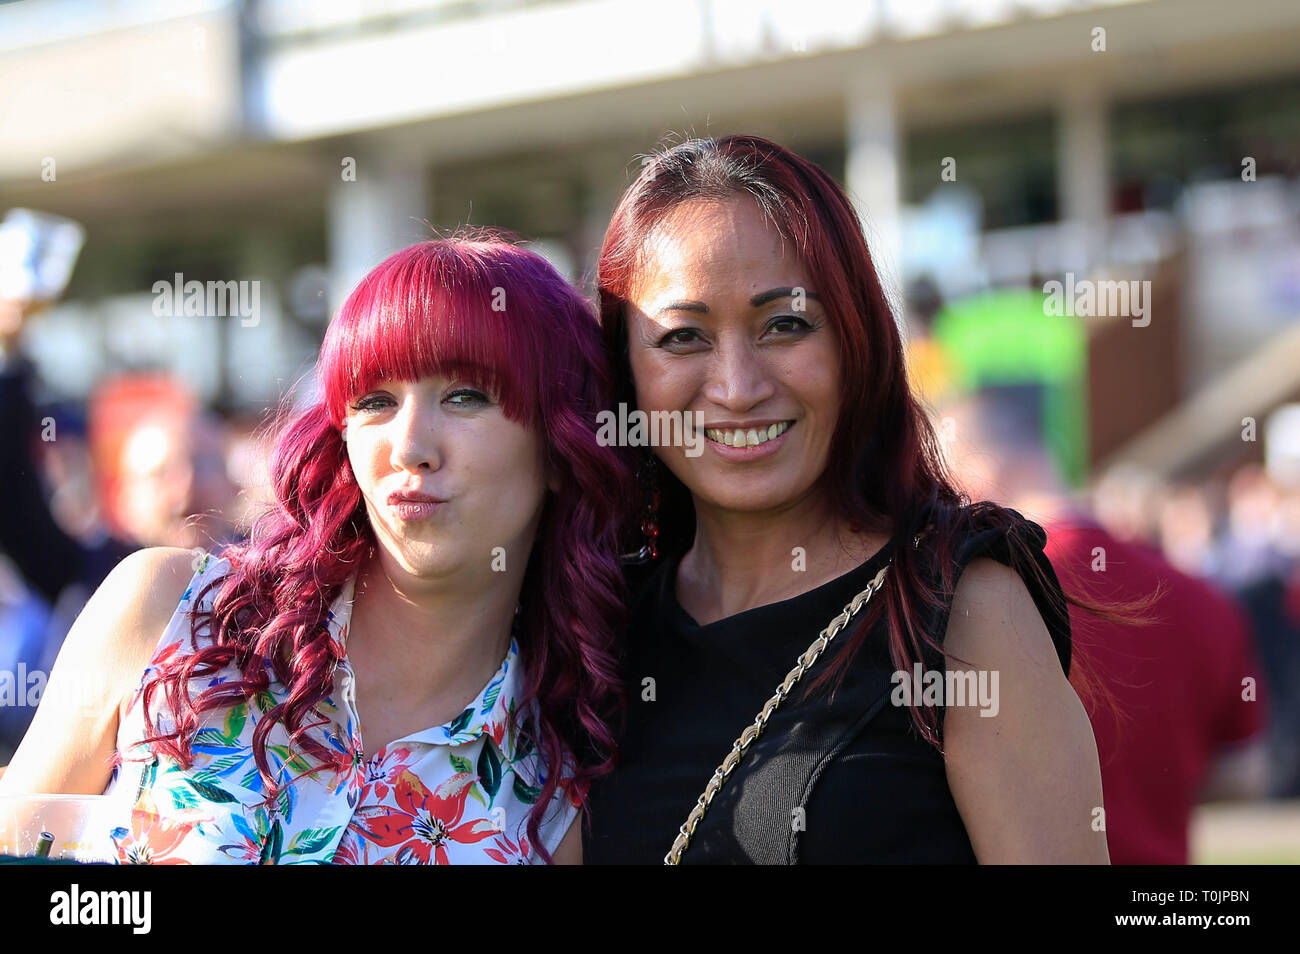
x=741 y=560
x=430 y=638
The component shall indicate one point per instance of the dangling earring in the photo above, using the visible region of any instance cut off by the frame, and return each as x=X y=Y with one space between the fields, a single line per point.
x=647 y=477
x=650 y=522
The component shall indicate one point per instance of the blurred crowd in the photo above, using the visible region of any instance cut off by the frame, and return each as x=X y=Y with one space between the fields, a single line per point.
x=1200 y=701
x=142 y=464
x=1241 y=534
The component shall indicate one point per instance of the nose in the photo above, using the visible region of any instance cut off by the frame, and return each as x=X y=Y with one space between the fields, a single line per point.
x=738 y=377
x=414 y=443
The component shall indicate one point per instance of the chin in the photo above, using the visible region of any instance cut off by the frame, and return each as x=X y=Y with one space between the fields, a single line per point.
x=761 y=500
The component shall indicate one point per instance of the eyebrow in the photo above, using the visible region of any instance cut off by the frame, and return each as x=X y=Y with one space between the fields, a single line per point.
x=762 y=298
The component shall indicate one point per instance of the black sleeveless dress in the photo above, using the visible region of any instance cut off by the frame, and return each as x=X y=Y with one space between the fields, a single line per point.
x=844 y=779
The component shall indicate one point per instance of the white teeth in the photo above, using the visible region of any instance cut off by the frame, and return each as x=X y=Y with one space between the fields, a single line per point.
x=747 y=438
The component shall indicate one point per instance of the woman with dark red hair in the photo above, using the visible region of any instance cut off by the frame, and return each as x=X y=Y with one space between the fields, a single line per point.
x=411 y=661
x=817 y=595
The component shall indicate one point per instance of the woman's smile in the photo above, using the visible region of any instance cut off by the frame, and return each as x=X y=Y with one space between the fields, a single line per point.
x=747 y=443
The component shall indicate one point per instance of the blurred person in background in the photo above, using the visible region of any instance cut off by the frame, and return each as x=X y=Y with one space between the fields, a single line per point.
x=162 y=464
x=47 y=556
x=1187 y=525
x=1256 y=559
x=1125 y=500
x=930 y=368
x=50 y=568
x=1185 y=716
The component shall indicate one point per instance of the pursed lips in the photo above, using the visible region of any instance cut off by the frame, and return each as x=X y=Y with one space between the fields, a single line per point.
x=411 y=496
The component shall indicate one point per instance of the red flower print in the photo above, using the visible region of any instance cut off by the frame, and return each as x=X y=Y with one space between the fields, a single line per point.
x=151 y=840
x=507 y=852
x=339 y=642
x=423 y=822
x=382 y=771
x=351 y=851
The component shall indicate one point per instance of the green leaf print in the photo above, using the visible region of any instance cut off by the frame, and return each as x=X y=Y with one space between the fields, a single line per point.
x=462 y=720
x=525 y=792
x=214 y=738
x=235 y=722
x=271 y=847
x=523 y=747
x=311 y=840
x=296 y=762
x=183 y=798
x=461 y=764
x=489 y=767
x=212 y=793
x=218 y=767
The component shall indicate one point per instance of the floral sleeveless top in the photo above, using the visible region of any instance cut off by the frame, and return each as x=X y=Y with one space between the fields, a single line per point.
x=451 y=794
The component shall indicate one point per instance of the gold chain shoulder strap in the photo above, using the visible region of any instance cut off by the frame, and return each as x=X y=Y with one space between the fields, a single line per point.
x=738 y=748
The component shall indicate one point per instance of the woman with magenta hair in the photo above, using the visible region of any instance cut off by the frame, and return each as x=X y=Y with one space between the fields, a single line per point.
x=813 y=579
x=411 y=661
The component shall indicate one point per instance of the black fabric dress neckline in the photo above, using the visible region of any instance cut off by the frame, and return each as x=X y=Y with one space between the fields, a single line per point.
x=788 y=626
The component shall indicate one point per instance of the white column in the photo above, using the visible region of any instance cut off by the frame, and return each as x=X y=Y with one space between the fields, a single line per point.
x=386 y=208
x=873 y=171
x=1083 y=174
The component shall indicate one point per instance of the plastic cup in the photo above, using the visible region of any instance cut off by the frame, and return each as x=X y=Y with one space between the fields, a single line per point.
x=81 y=826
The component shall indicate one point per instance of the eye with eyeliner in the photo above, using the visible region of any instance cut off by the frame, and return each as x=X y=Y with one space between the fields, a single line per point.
x=669 y=339
x=476 y=397
x=806 y=324
x=368 y=403
x=375 y=402
x=802 y=326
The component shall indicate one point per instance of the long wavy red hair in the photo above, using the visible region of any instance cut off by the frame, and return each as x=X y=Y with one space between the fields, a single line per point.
x=471 y=301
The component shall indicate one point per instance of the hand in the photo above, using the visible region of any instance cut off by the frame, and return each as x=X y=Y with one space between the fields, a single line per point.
x=14 y=314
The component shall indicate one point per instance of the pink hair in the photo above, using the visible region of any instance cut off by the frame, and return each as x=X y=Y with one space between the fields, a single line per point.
x=472 y=301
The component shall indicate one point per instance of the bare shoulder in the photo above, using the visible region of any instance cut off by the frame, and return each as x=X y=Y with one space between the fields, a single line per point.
x=993 y=616
x=72 y=734
x=145 y=589
x=141 y=594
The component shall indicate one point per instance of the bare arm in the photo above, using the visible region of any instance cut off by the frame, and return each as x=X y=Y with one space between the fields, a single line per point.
x=1027 y=780
x=73 y=735
x=569 y=851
